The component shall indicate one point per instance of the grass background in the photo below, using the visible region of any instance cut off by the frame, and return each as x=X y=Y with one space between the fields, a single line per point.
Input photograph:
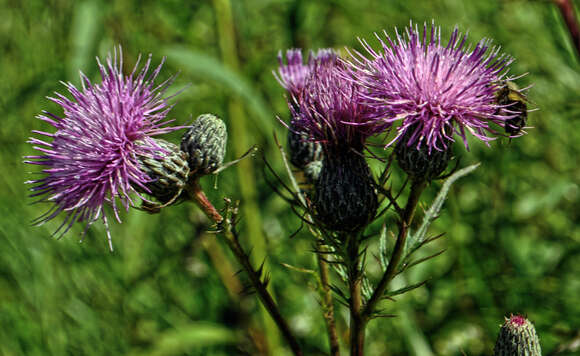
x=513 y=238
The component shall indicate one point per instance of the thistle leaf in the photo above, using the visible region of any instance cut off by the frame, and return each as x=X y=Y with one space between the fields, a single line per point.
x=417 y=238
x=405 y=289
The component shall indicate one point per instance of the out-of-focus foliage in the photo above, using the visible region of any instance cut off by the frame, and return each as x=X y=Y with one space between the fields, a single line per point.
x=513 y=237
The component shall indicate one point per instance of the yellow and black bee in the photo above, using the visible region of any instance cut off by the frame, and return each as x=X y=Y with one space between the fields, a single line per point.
x=513 y=102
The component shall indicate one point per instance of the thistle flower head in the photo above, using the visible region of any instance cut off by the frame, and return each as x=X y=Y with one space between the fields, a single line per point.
x=292 y=75
x=328 y=109
x=434 y=90
x=91 y=160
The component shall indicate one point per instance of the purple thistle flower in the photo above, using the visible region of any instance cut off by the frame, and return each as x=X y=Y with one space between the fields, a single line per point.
x=434 y=90
x=329 y=108
x=92 y=159
x=292 y=76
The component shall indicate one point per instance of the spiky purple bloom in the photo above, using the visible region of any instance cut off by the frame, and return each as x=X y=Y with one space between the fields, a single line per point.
x=293 y=74
x=326 y=112
x=329 y=111
x=91 y=160
x=434 y=90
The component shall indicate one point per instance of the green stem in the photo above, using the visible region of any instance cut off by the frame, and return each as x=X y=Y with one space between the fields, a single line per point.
x=357 y=327
x=417 y=188
x=328 y=303
x=259 y=286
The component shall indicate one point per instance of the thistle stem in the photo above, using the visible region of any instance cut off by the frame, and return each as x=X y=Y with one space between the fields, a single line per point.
x=199 y=197
x=417 y=188
x=567 y=10
x=357 y=324
x=232 y=240
x=328 y=303
x=243 y=259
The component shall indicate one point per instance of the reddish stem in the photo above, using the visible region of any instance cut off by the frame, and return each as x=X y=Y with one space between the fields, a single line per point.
x=567 y=11
x=203 y=202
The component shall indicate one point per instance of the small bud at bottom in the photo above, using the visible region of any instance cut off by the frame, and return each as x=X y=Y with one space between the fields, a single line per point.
x=517 y=337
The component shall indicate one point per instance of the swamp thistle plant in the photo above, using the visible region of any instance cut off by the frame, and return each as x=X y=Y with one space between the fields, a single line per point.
x=414 y=87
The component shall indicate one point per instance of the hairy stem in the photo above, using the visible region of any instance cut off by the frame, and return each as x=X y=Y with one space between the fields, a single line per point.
x=357 y=332
x=567 y=11
x=406 y=219
x=243 y=259
x=327 y=297
x=328 y=303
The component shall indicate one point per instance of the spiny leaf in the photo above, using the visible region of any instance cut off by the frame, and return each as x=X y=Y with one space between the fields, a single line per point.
x=383 y=253
x=433 y=211
x=298 y=269
x=192 y=336
x=420 y=260
x=405 y=289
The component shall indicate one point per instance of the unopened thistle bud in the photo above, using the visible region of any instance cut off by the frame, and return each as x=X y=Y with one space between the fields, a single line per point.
x=205 y=143
x=167 y=169
x=517 y=337
x=419 y=163
x=345 y=198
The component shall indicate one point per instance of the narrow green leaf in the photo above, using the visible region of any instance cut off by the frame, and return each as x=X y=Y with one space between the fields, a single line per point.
x=85 y=24
x=193 y=337
x=405 y=289
x=433 y=211
x=383 y=253
x=421 y=260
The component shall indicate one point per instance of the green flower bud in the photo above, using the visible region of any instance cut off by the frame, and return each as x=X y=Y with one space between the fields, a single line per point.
x=345 y=198
x=517 y=337
x=205 y=143
x=168 y=170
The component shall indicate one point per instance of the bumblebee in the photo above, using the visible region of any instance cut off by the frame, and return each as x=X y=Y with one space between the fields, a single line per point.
x=513 y=102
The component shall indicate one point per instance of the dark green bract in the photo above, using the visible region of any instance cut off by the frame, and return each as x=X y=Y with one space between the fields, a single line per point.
x=419 y=163
x=168 y=170
x=345 y=198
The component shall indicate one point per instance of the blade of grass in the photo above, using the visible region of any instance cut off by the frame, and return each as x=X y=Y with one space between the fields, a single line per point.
x=238 y=124
x=84 y=28
x=201 y=65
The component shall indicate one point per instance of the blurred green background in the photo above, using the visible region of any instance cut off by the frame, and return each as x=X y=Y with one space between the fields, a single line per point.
x=513 y=238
